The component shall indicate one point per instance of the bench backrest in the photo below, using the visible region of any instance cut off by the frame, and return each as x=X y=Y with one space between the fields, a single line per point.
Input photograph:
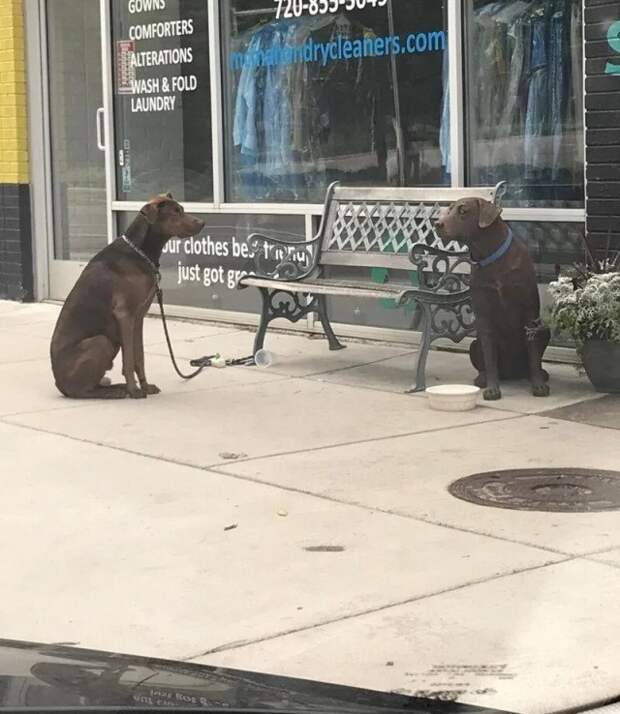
x=377 y=227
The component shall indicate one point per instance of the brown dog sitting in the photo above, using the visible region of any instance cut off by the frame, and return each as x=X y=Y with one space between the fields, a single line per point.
x=511 y=339
x=104 y=312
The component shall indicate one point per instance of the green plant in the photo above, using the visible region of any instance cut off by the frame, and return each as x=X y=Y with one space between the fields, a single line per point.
x=587 y=306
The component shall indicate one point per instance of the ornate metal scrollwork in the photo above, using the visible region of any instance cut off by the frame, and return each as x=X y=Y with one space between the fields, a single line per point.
x=454 y=322
x=282 y=260
x=291 y=306
x=444 y=277
x=441 y=271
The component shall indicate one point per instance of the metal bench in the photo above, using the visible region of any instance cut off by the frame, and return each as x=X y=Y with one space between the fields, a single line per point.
x=366 y=227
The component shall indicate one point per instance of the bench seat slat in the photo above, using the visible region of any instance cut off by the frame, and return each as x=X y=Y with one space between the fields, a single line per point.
x=367 y=259
x=326 y=286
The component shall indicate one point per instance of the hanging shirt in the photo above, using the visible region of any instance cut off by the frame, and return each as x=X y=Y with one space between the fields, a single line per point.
x=445 y=145
x=337 y=108
x=245 y=122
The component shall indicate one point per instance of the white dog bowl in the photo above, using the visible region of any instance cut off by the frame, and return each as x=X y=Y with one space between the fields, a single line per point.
x=453 y=397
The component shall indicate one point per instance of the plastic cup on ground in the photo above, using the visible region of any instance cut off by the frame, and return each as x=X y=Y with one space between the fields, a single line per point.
x=263 y=359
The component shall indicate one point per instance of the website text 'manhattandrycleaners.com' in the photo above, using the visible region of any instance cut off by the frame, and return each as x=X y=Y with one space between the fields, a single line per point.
x=341 y=49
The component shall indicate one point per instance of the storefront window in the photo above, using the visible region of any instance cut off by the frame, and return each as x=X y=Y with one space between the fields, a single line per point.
x=162 y=99
x=313 y=96
x=525 y=98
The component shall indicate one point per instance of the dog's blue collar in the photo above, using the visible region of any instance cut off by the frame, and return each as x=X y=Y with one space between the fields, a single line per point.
x=499 y=253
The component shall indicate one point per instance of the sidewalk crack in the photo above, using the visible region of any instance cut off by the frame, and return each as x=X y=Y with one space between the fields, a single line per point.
x=503 y=416
x=395 y=513
x=372 y=610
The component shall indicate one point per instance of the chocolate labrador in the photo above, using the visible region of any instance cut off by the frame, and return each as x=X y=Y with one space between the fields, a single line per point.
x=511 y=338
x=104 y=312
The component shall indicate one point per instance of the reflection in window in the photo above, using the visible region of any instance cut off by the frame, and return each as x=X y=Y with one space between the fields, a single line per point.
x=356 y=96
x=162 y=99
x=525 y=99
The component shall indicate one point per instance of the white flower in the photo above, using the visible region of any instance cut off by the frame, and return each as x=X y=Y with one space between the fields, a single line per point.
x=592 y=311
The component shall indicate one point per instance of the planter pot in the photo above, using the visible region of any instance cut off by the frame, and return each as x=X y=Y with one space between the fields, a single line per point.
x=601 y=361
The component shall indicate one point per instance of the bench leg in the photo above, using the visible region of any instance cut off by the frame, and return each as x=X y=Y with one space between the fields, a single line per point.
x=259 y=340
x=334 y=344
x=425 y=345
x=281 y=304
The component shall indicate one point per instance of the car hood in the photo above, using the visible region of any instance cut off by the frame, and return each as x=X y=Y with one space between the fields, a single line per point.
x=55 y=675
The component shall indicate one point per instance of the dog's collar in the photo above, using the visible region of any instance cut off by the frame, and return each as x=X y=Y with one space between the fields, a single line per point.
x=145 y=257
x=499 y=253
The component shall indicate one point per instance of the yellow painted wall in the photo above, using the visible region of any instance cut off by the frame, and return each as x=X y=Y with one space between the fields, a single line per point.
x=13 y=116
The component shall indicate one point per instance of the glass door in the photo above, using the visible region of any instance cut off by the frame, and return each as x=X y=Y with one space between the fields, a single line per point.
x=77 y=176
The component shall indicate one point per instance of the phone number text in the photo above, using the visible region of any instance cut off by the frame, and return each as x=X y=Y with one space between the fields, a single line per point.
x=297 y=8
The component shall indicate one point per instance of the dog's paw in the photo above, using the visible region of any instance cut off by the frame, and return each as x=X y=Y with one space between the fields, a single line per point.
x=151 y=389
x=492 y=394
x=541 y=390
x=136 y=393
x=481 y=380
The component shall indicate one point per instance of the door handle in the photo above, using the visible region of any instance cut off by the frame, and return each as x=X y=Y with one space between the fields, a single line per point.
x=100 y=143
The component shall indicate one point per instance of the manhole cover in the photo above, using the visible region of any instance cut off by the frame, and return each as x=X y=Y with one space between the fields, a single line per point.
x=567 y=490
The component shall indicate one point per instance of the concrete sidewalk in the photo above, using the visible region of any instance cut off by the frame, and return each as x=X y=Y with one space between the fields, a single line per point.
x=329 y=547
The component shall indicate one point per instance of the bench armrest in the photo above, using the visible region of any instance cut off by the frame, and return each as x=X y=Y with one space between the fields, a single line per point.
x=285 y=260
x=441 y=271
x=429 y=297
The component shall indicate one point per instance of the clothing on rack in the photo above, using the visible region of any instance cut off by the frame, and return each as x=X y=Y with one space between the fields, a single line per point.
x=511 y=121
x=538 y=99
x=491 y=69
x=525 y=94
x=338 y=108
x=244 y=125
x=558 y=85
x=276 y=109
x=291 y=118
x=445 y=144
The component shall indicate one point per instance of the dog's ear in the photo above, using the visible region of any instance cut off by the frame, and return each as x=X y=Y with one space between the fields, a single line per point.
x=169 y=195
x=150 y=211
x=488 y=213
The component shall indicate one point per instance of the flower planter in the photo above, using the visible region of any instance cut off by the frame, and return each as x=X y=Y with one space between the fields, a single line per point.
x=601 y=361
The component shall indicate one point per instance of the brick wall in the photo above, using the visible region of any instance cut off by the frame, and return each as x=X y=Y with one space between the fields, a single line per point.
x=16 y=277
x=602 y=35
